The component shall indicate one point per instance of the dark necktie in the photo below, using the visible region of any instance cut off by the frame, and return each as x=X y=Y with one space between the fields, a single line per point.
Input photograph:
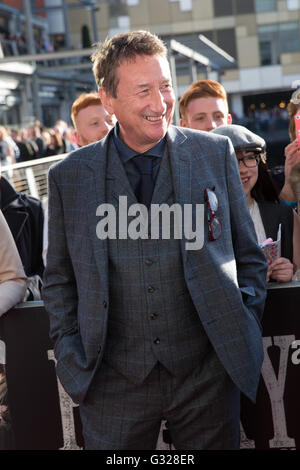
x=146 y=184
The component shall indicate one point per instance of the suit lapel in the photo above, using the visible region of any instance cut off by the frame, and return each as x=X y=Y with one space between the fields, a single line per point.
x=116 y=177
x=180 y=160
x=95 y=196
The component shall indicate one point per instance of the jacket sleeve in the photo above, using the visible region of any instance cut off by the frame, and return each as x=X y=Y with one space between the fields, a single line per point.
x=12 y=276
x=250 y=260
x=59 y=291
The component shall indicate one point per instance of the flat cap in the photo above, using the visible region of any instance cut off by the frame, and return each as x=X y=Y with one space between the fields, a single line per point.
x=241 y=138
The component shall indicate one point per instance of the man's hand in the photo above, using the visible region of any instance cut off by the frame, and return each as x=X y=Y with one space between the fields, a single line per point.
x=281 y=270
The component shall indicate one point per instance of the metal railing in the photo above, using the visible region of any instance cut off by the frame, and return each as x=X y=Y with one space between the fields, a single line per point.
x=30 y=177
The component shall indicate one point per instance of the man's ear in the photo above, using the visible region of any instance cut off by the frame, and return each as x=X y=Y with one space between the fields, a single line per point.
x=229 y=119
x=78 y=139
x=106 y=100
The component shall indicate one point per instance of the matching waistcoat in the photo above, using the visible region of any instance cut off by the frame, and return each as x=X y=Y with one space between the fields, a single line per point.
x=152 y=317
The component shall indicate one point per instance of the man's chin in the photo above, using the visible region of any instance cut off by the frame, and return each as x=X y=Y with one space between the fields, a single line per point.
x=158 y=132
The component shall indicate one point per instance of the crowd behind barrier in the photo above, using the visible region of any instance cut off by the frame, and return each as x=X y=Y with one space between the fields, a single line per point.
x=265 y=121
x=36 y=141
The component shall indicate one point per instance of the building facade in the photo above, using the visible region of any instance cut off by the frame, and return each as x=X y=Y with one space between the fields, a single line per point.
x=263 y=36
x=37 y=89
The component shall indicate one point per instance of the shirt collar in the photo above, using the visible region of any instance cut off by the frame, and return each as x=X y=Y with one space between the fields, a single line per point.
x=126 y=153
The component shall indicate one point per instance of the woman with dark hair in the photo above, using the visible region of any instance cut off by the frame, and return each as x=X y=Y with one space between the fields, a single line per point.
x=56 y=144
x=265 y=208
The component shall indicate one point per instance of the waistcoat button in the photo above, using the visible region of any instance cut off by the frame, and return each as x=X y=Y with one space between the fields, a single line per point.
x=148 y=262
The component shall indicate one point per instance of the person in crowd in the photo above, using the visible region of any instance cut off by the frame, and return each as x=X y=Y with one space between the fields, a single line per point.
x=70 y=137
x=292 y=150
x=90 y=119
x=265 y=208
x=7 y=156
x=28 y=149
x=25 y=218
x=204 y=106
x=35 y=137
x=56 y=145
x=146 y=329
x=12 y=291
x=15 y=148
x=61 y=129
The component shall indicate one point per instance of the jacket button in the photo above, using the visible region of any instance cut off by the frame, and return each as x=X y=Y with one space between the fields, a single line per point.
x=156 y=341
x=151 y=289
x=104 y=304
x=153 y=316
x=148 y=262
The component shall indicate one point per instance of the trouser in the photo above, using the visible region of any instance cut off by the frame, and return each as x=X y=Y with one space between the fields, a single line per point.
x=202 y=409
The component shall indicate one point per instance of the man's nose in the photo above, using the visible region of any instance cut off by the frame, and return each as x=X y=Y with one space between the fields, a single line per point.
x=158 y=103
x=211 y=124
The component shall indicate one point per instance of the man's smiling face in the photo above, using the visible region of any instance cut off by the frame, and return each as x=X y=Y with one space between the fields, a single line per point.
x=145 y=101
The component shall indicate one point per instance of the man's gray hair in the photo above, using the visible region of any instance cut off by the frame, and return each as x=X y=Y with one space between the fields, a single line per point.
x=108 y=55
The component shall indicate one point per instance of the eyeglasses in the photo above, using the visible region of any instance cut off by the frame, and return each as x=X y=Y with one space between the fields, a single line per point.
x=250 y=161
x=214 y=224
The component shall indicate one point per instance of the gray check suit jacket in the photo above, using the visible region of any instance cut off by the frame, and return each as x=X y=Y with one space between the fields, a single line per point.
x=226 y=278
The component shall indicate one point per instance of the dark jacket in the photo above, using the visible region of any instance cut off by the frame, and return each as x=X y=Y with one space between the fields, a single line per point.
x=272 y=215
x=25 y=217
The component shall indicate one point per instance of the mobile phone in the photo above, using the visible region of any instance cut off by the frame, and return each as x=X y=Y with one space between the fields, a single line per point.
x=297 y=126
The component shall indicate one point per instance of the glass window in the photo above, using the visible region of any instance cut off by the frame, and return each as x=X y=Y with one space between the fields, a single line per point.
x=243 y=7
x=277 y=39
x=117 y=8
x=265 y=5
x=289 y=37
x=225 y=38
x=265 y=52
x=267 y=28
x=268 y=36
x=223 y=7
x=293 y=4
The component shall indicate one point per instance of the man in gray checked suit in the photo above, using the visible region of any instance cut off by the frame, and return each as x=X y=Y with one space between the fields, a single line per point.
x=146 y=329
